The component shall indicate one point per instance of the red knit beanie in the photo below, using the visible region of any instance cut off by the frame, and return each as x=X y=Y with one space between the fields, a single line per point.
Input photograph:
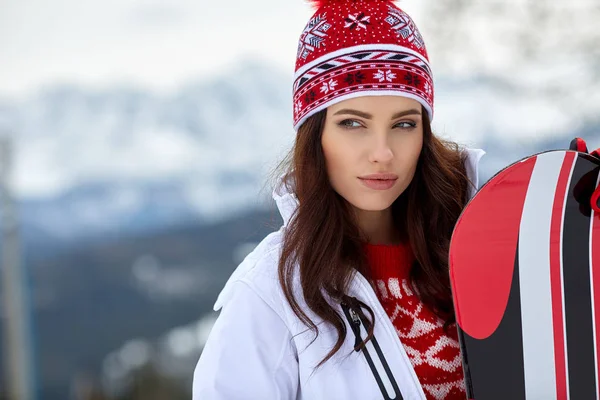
x=353 y=48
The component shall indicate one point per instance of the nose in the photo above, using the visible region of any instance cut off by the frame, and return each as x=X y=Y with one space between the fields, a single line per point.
x=381 y=152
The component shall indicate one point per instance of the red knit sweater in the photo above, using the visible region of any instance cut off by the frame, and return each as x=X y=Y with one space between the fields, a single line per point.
x=435 y=355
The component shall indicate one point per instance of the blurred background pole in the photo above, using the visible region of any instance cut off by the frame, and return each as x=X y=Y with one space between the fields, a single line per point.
x=19 y=375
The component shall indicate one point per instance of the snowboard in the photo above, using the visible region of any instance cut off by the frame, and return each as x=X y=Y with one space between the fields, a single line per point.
x=525 y=274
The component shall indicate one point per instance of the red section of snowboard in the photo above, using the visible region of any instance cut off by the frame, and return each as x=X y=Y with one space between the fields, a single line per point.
x=481 y=294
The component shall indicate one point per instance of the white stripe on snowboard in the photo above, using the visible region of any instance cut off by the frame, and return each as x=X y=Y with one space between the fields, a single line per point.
x=562 y=278
x=534 y=276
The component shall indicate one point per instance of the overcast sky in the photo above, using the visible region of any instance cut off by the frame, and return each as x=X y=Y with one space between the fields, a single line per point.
x=151 y=43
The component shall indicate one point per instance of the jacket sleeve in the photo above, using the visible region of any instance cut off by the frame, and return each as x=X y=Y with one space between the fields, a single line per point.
x=249 y=353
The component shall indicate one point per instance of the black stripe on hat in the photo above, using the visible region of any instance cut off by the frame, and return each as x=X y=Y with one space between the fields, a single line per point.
x=399 y=57
x=360 y=56
x=327 y=66
x=576 y=278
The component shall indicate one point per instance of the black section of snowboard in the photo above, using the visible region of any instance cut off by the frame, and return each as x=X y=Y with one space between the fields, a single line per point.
x=494 y=366
x=576 y=281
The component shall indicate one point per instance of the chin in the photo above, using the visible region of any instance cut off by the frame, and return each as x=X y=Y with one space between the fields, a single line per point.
x=374 y=205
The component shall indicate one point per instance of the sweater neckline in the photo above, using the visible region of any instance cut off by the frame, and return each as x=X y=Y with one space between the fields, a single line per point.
x=389 y=260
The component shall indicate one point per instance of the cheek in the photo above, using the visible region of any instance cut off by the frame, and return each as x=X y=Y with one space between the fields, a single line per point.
x=416 y=153
x=338 y=154
x=408 y=154
x=412 y=150
x=341 y=160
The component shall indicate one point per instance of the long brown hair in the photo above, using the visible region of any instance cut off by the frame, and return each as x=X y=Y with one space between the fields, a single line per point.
x=324 y=241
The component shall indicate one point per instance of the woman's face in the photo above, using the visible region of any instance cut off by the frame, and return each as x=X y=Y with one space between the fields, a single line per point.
x=372 y=135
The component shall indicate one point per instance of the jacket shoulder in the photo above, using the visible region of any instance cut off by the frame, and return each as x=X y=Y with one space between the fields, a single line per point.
x=259 y=271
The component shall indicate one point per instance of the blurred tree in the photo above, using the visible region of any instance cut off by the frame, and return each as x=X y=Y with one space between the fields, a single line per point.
x=148 y=384
x=537 y=47
x=96 y=394
x=145 y=384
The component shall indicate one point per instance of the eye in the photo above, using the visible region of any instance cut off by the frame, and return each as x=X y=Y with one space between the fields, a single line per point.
x=406 y=125
x=349 y=124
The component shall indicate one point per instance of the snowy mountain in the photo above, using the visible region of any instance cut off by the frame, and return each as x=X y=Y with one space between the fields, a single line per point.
x=112 y=161
x=91 y=161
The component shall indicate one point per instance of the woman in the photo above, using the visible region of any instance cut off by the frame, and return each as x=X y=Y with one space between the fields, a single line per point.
x=351 y=298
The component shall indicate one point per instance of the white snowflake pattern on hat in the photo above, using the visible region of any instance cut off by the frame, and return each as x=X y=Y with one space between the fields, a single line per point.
x=384 y=75
x=404 y=26
x=313 y=35
x=327 y=86
x=357 y=21
x=298 y=107
x=428 y=88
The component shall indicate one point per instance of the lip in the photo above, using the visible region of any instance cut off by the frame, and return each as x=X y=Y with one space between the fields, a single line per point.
x=388 y=181
x=383 y=176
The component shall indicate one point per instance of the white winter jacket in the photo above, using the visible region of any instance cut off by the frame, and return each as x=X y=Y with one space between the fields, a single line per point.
x=259 y=350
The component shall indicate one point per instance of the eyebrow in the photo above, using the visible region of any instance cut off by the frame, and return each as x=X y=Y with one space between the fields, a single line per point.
x=369 y=116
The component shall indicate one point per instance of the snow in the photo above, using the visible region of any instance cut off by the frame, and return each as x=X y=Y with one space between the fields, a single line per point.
x=474 y=111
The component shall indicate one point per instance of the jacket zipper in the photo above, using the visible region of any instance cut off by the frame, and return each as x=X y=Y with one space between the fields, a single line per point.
x=356 y=320
x=371 y=298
